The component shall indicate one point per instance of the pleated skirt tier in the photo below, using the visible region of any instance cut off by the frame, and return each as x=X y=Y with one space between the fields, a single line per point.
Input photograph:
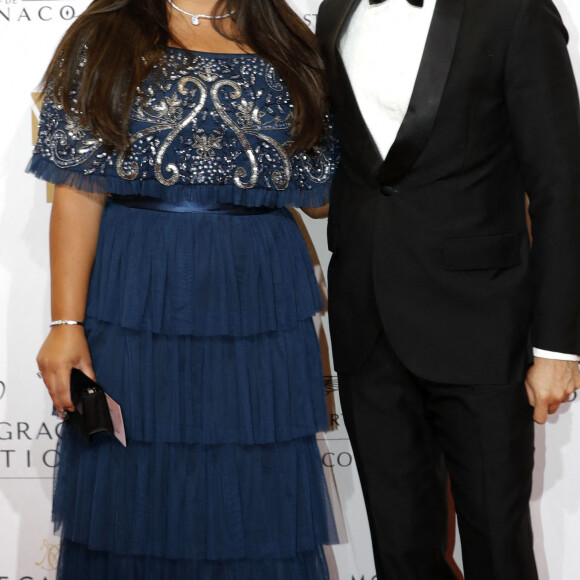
x=200 y=327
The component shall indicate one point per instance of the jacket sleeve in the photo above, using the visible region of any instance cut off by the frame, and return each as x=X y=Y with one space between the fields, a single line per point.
x=544 y=114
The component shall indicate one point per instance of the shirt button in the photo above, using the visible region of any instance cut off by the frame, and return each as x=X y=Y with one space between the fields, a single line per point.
x=388 y=190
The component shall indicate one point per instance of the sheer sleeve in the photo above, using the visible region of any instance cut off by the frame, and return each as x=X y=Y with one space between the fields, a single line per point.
x=313 y=171
x=66 y=153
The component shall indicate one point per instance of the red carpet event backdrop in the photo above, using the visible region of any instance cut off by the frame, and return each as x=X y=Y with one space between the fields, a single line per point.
x=29 y=31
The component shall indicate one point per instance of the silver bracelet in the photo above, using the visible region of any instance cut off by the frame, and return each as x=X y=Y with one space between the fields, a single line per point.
x=61 y=322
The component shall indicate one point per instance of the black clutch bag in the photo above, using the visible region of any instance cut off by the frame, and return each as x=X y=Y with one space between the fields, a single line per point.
x=91 y=414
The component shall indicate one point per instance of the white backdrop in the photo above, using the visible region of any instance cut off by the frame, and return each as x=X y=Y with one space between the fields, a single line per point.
x=29 y=30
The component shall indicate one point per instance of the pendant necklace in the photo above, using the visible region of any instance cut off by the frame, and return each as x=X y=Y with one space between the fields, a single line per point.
x=196 y=17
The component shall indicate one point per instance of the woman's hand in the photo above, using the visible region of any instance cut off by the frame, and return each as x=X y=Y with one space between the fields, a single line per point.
x=316 y=212
x=64 y=348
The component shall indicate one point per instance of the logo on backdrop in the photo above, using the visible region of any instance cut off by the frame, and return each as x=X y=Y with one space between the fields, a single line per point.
x=331 y=388
x=337 y=452
x=2 y=390
x=331 y=384
x=49 y=557
x=43 y=11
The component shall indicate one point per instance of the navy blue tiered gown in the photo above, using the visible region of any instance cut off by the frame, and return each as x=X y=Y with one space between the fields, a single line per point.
x=199 y=325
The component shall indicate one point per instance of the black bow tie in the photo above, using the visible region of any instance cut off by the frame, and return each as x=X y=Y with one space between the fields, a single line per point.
x=418 y=3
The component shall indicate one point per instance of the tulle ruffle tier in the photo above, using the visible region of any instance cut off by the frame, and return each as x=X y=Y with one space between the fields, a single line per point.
x=316 y=194
x=201 y=274
x=195 y=502
x=88 y=565
x=261 y=388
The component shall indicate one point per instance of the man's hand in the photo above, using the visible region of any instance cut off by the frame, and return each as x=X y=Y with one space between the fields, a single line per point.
x=550 y=383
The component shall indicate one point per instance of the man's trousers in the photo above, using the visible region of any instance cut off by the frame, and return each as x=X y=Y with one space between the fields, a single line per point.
x=408 y=434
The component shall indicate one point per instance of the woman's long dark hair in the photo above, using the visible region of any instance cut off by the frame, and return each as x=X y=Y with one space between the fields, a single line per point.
x=123 y=39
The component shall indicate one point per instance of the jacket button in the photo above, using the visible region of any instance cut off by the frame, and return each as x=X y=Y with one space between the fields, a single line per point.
x=388 y=190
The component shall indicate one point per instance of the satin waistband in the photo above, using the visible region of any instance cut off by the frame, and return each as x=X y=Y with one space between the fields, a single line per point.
x=187 y=206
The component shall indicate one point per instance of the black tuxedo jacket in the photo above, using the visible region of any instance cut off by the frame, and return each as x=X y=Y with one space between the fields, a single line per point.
x=431 y=243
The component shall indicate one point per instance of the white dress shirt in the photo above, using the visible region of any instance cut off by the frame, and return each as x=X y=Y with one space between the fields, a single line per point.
x=382 y=49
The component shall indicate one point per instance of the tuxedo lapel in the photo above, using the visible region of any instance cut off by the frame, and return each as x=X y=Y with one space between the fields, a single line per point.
x=427 y=92
x=357 y=141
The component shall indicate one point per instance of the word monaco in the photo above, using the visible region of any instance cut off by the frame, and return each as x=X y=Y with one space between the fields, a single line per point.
x=21 y=11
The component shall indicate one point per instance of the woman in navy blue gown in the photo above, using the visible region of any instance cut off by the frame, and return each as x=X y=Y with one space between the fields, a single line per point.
x=176 y=134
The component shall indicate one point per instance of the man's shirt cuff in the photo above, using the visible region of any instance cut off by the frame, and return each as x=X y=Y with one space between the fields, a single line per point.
x=555 y=355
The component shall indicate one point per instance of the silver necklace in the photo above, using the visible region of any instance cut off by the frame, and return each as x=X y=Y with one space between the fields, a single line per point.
x=196 y=17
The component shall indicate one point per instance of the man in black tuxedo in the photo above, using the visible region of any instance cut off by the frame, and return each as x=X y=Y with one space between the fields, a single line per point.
x=451 y=331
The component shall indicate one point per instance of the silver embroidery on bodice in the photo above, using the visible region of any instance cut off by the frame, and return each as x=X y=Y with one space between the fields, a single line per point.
x=198 y=119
